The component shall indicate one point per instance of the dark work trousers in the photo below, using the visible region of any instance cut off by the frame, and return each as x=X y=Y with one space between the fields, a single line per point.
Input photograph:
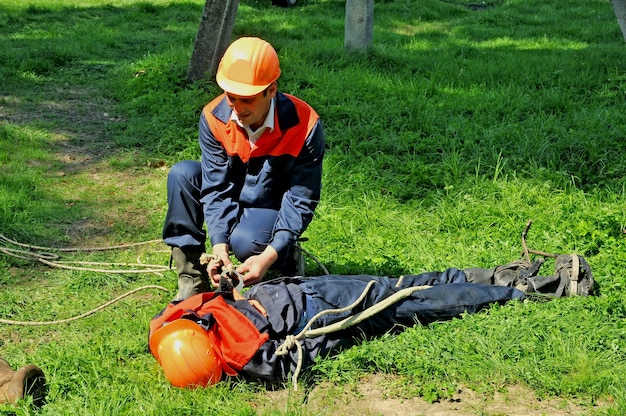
x=449 y=297
x=184 y=222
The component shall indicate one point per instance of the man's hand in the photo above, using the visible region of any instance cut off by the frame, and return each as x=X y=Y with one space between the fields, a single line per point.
x=254 y=268
x=220 y=252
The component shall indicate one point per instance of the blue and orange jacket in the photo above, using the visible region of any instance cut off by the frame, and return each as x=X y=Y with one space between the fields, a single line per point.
x=283 y=172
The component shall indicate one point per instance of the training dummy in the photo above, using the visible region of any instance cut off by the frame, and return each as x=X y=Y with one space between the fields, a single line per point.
x=200 y=339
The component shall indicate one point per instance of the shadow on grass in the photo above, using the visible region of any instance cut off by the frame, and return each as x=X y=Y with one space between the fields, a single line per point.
x=460 y=93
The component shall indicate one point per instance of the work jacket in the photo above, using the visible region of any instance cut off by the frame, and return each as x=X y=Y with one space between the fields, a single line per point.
x=282 y=172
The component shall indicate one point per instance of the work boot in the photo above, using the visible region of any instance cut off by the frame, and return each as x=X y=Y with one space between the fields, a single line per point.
x=293 y=265
x=193 y=277
x=514 y=274
x=27 y=381
x=575 y=275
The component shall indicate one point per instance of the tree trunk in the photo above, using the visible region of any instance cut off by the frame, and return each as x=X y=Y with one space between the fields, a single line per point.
x=619 y=7
x=214 y=35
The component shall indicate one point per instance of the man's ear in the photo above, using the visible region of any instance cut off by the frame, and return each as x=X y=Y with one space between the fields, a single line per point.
x=272 y=89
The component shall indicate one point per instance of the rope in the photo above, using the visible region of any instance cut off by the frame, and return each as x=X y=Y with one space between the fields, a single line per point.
x=51 y=259
x=525 y=248
x=78 y=249
x=315 y=259
x=83 y=315
x=154 y=269
x=367 y=313
x=295 y=340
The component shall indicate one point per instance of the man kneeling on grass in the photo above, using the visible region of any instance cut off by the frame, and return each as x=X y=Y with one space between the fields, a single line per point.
x=280 y=326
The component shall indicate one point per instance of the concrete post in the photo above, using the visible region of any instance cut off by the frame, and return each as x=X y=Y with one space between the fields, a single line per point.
x=214 y=36
x=619 y=7
x=359 y=24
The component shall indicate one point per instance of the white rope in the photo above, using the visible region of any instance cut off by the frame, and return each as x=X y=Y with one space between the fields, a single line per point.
x=78 y=249
x=83 y=315
x=295 y=340
x=51 y=259
x=367 y=313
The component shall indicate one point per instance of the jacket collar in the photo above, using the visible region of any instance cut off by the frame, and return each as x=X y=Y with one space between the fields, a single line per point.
x=285 y=110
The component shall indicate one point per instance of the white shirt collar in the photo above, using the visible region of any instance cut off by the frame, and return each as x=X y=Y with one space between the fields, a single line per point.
x=253 y=135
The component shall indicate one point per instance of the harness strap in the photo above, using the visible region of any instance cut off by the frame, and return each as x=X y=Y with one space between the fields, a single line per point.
x=573 y=278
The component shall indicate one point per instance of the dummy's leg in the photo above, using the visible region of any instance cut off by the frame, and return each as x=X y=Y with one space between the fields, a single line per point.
x=514 y=274
x=446 y=295
x=451 y=293
x=451 y=275
x=443 y=302
x=27 y=381
x=183 y=228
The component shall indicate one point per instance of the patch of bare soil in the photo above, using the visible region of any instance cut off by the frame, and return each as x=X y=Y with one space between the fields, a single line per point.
x=371 y=396
x=78 y=120
x=76 y=116
x=73 y=116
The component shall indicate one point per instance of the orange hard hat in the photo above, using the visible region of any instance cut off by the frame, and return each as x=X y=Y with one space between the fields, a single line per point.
x=248 y=67
x=186 y=353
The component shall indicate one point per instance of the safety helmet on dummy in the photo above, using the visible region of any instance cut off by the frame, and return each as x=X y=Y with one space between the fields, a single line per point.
x=248 y=67
x=186 y=353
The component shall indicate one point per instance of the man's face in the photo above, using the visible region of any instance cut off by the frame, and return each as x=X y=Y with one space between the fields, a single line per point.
x=251 y=111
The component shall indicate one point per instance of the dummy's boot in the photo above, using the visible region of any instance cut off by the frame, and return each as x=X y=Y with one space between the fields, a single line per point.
x=514 y=274
x=572 y=278
x=193 y=277
x=575 y=274
x=27 y=381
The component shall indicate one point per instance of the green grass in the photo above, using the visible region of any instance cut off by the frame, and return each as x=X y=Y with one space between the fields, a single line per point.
x=453 y=130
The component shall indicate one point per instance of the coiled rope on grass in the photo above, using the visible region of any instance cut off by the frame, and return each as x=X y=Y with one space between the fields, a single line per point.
x=49 y=258
x=77 y=249
x=46 y=255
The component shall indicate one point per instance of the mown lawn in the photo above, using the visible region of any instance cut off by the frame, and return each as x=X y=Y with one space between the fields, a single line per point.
x=462 y=122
